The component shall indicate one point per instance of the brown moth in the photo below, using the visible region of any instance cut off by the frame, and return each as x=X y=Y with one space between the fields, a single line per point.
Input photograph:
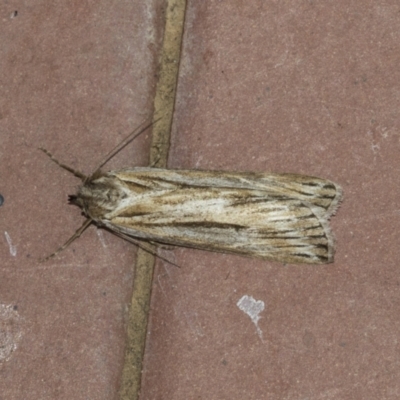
x=277 y=217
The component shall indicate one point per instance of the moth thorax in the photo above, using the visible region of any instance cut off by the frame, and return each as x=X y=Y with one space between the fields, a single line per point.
x=98 y=197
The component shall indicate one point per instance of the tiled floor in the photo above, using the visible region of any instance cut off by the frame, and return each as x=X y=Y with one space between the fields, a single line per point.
x=283 y=86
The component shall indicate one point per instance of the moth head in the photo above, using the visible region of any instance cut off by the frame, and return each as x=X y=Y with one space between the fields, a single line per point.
x=98 y=196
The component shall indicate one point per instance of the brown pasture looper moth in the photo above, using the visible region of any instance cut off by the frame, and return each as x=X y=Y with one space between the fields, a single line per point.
x=277 y=217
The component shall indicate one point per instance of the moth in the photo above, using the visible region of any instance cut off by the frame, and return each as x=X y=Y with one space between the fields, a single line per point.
x=277 y=217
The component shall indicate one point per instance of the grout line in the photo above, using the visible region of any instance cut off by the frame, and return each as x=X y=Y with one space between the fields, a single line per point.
x=164 y=101
x=163 y=106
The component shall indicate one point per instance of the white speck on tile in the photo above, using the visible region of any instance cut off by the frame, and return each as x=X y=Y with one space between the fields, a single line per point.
x=100 y=235
x=13 y=249
x=252 y=308
x=10 y=331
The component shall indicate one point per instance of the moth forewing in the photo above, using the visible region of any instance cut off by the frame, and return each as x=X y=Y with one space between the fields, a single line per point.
x=281 y=217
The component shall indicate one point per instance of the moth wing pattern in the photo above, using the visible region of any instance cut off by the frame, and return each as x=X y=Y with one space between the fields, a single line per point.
x=279 y=217
x=315 y=191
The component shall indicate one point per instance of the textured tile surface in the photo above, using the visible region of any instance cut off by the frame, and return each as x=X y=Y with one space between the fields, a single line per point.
x=76 y=78
x=305 y=87
x=288 y=86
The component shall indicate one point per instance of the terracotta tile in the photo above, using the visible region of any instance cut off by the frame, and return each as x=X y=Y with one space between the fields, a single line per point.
x=76 y=78
x=286 y=86
x=305 y=87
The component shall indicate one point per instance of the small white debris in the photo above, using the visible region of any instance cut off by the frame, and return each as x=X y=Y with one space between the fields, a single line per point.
x=13 y=249
x=252 y=308
x=10 y=331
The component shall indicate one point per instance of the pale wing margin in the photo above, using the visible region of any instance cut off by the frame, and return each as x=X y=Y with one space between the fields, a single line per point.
x=224 y=212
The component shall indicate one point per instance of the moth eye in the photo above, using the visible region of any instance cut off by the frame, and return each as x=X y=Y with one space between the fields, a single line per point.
x=1 y=200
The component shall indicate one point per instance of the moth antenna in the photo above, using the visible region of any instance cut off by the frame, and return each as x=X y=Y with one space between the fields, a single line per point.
x=69 y=169
x=77 y=233
x=132 y=136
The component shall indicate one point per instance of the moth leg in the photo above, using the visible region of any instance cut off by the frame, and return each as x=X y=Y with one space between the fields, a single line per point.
x=143 y=245
x=162 y=245
x=78 y=233
x=154 y=163
x=69 y=169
